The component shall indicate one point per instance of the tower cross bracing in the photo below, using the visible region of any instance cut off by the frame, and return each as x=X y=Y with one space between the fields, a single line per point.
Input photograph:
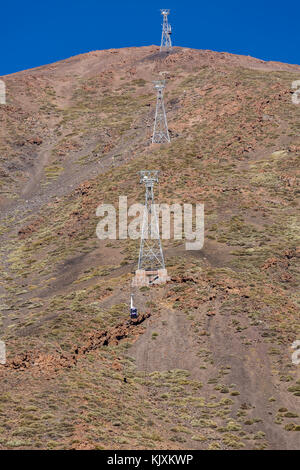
x=160 y=131
x=166 y=43
x=151 y=256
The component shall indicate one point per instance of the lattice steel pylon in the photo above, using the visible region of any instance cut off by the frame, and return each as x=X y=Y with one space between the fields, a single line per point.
x=160 y=131
x=166 y=43
x=151 y=256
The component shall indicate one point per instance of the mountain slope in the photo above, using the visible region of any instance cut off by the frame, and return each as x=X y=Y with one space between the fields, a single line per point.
x=209 y=366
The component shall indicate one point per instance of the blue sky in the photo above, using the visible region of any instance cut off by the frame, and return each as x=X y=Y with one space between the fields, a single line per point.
x=34 y=33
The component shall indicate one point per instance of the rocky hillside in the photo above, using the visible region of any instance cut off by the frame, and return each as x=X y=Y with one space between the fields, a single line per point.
x=208 y=364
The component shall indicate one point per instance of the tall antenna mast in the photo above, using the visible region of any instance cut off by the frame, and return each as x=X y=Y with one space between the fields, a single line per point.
x=160 y=131
x=151 y=256
x=166 y=43
x=151 y=264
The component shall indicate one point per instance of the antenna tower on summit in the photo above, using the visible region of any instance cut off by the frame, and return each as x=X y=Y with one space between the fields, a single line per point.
x=166 y=43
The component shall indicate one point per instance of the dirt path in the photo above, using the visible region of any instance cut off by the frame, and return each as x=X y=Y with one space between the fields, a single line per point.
x=172 y=348
x=170 y=342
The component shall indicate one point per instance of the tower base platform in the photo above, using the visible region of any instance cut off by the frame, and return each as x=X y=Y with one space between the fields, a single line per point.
x=148 y=278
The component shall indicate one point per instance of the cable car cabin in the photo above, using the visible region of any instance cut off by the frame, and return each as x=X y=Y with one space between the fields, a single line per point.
x=133 y=312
